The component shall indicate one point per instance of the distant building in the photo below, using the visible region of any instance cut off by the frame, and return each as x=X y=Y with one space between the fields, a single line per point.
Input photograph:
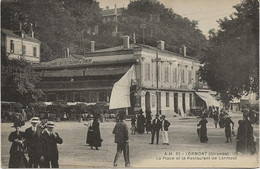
x=90 y=78
x=17 y=45
x=112 y=16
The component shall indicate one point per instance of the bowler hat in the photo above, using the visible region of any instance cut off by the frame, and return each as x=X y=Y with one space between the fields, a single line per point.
x=50 y=124
x=18 y=123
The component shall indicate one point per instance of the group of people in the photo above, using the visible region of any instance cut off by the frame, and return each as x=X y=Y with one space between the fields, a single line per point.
x=39 y=141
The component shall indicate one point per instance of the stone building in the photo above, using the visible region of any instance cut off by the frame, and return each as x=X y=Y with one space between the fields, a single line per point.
x=90 y=78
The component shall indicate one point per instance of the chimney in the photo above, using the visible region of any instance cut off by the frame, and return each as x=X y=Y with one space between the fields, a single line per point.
x=67 y=52
x=32 y=34
x=184 y=50
x=92 y=46
x=160 y=45
x=126 y=44
x=107 y=7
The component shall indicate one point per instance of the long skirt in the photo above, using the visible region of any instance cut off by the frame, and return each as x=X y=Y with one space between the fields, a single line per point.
x=18 y=160
x=203 y=135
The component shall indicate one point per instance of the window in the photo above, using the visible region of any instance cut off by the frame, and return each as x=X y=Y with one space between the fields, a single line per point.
x=77 y=97
x=189 y=77
x=93 y=97
x=34 y=51
x=166 y=74
x=153 y=100
x=182 y=76
x=61 y=96
x=23 y=49
x=167 y=100
x=174 y=73
x=11 y=46
x=70 y=97
x=147 y=71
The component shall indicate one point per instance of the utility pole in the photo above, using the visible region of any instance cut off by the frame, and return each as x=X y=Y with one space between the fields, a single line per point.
x=157 y=60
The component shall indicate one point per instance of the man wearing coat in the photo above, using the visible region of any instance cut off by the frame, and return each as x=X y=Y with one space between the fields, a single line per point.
x=164 y=127
x=122 y=139
x=49 y=149
x=32 y=142
x=156 y=126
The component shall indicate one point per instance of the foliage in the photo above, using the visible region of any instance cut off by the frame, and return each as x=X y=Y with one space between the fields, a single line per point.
x=22 y=79
x=232 y=61
x=161 y=23
x=39 y=107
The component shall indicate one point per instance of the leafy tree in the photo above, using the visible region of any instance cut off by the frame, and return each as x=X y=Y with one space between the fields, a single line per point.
x=19 y=83
x=153 y=21
x=232 y=61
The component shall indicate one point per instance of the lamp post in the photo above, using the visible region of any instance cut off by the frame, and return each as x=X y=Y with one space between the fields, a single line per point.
x=157 y=60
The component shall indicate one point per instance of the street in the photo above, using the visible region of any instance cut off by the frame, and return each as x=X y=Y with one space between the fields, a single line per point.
x=74 y=153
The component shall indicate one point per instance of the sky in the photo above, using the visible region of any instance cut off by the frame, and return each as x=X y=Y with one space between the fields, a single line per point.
x=206 y=12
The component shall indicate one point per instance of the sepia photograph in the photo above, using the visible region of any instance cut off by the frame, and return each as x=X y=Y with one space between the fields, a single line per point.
x=129 y=83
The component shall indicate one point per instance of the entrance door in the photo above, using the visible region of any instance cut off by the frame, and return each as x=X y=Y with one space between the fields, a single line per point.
x=147 y=102
x=176 y=103
x=183 y=102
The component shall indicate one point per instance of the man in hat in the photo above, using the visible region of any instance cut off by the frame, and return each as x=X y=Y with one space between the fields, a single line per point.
x=140 y=122
x=156 y=126
x=164 y=127
x=32 y=141
x=122 y=140
x=49 y=149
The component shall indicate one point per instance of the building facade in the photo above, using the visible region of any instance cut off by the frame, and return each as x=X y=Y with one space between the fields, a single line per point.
x=90 y=78
x=17 y=45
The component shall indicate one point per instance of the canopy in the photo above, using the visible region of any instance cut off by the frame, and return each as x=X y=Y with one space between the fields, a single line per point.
x=210 y=101
x=120 y=95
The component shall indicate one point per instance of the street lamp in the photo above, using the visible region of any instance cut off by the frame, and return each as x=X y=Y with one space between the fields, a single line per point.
x=157 y=60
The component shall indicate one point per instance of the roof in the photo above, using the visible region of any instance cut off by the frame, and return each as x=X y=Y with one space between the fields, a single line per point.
x=108 y=12
x=89 y=71
x=132 y=46
x=13 y=34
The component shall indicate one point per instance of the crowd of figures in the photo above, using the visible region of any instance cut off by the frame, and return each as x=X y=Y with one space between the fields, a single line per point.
x=245 y=139
x=39 y=141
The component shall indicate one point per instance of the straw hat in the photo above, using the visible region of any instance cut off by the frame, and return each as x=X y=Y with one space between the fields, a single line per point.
x=50 y=124
x=35 y=120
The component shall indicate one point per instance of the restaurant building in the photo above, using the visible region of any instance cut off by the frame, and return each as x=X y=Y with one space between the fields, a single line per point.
x=90 y=78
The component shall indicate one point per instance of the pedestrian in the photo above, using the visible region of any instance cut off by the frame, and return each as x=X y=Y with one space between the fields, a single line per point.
x=17 y=158
x=133 y=125
x=122 y=139
x=227 y=122
x=215 y=118
x=156 y=126
x=32 y=141
x=241 y=138
x=203 y=129
x=148 y=124
x=93 y=135
x=140 y=122
x=221 y=119
x=164 y=127
x=49 y=150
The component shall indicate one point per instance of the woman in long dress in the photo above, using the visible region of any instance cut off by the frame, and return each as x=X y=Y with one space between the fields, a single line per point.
x=93 y=135
x=17 y=157
x=203 y=130
x=148 y=124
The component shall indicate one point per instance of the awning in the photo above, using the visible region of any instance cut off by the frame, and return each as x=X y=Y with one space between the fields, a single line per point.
x=90 y=71
x=210 y=101
x=120 y=95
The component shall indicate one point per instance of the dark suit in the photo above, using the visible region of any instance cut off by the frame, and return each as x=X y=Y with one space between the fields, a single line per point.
x=49 y=149
x=32 y=141
x=156 y=126
x=166 y=125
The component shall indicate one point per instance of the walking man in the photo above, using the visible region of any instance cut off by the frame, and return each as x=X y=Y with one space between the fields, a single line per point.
x=49 y=149
x=164 y=127
x=122 y=140
x=32 y=142
x=156 y=126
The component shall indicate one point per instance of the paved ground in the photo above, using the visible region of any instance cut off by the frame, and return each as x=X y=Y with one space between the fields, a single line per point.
x=182 y=135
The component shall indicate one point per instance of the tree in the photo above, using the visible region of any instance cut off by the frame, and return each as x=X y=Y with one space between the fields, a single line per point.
x=231 y=66
x=152 y=21
x=18 y=82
